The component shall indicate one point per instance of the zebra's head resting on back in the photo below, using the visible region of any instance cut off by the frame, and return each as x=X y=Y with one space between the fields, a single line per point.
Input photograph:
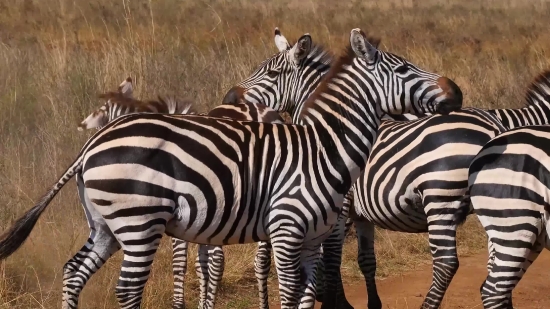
x=285 y=80
x=396 y=81
x=122 y=101
x=395 y=84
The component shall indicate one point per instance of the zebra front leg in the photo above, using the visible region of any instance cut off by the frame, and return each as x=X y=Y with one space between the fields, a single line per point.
x=366 y=259
x=296 y=267
x=332 y=260
x=201 y=269
x=216 y=264
x=101 y=245
x=262 y=266
x=179 y=268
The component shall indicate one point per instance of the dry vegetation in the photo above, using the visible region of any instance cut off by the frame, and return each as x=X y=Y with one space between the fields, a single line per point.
x=56 y=55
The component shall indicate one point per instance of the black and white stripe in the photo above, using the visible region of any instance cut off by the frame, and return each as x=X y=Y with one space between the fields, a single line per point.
x=509 y=190
x=219 y=181
x=416 y=178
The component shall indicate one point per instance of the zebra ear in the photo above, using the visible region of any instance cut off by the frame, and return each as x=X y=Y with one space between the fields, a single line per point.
x=280 y=41
x=126 y=88
x=301 y=49
x=361 y=46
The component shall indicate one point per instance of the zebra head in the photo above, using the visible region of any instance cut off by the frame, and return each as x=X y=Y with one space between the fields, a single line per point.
x=102 y=115
x=285 y=80
x=405 y=87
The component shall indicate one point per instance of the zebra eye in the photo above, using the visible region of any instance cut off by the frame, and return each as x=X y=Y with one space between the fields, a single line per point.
x=401 y=69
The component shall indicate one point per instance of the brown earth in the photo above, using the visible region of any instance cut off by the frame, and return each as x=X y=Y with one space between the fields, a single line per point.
x=408 y=290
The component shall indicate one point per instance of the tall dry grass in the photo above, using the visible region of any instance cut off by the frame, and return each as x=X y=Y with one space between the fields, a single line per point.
x=56 y=55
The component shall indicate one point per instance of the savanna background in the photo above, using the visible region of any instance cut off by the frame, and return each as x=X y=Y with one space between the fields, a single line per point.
x=57 y=55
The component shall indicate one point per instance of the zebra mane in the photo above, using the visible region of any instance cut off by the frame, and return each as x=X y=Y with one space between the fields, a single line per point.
x=167 y=104
x=321 y=54
x=337 y=67
x=538 y=90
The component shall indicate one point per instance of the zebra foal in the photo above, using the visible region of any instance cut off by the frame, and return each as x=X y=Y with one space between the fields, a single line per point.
x=219 y=181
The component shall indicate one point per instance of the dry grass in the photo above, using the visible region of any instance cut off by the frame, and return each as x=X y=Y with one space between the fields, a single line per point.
x=56 y=55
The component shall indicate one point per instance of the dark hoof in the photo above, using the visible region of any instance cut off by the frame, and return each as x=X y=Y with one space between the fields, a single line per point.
x=319 y=298
x=375 y=304
x=340 y=305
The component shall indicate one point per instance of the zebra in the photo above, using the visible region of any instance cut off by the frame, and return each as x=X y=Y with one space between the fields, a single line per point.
x=509 y=191
x=259 y=88
x=416 y=178
x=122 y=102
x=220 y=181
x=210 y=260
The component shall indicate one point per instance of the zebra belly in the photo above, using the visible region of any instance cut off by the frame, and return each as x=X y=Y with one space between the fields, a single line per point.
x=406 y=216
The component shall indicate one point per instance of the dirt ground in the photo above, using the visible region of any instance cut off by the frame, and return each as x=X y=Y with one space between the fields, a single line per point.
x=407 y=291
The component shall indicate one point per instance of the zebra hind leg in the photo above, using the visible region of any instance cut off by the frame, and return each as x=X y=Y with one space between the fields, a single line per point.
x=508 y=266
x=442 y=239
x=139 y=247
x=101 y=245
x=179 y=267
x=262 y=266
x=216 y=264
x=201 y=269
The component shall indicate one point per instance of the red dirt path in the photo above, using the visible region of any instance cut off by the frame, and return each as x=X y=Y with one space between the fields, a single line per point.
x=408 y=290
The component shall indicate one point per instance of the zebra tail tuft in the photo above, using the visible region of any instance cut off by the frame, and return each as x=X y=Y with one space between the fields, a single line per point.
x=12 y=239
x=464 y=210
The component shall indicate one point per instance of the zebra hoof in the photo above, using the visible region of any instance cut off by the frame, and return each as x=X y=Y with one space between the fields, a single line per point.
x=319 y=298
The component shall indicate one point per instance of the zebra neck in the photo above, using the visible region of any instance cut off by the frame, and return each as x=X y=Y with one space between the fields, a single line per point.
x=345 y=123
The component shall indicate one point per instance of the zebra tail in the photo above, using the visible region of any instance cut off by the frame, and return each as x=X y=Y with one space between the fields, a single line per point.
x=12 y=239
x=464 y=210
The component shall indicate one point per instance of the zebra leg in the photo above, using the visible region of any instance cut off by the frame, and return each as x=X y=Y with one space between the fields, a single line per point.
x=366 y=259
x=296 y=267
x=201 y=269
x=216 y=264
x=262 y=265
x=442 y=239
x=139 y=251
x=179 y=267
x=508 y=266
x=99 y=247
x=309 y=259
x=332 y=260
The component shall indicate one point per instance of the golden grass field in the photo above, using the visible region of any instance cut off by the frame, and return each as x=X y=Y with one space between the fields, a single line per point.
x=57 y=55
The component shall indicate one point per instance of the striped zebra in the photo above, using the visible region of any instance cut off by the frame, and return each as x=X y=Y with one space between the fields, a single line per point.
x=219 y=181
x=509 y=190
x=210 y=259
x=416 y=177
x=261 y=88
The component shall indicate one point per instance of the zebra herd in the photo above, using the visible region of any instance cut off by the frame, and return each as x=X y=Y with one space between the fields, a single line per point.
x=374 y=140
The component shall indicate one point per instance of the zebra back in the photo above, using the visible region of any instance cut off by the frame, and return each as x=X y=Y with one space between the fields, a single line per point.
x=537 y=105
